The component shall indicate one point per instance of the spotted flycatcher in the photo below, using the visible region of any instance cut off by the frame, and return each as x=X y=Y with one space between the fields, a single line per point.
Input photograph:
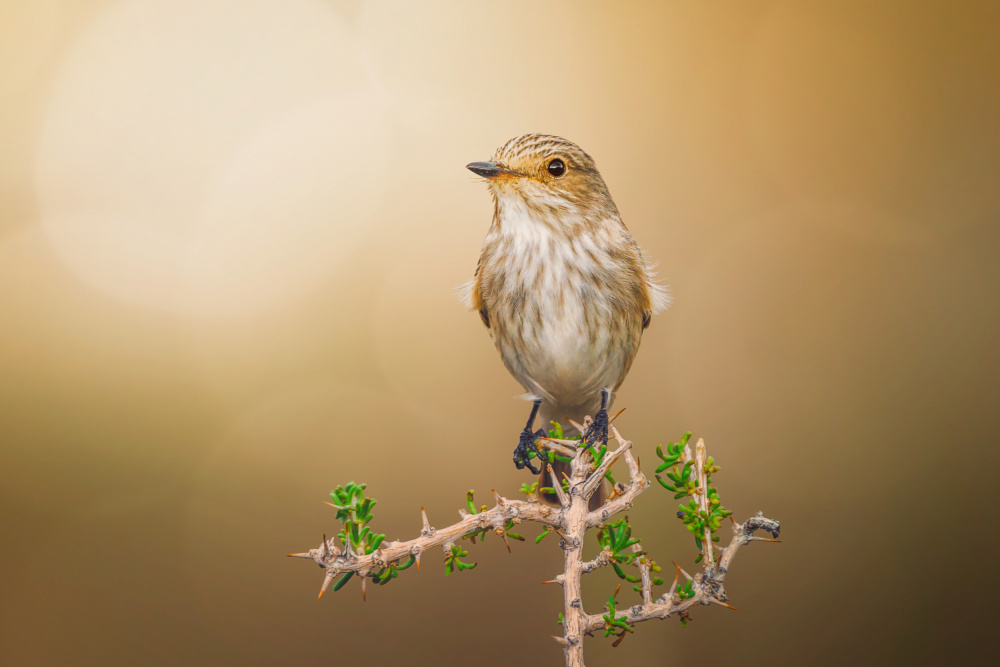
x=561 y=284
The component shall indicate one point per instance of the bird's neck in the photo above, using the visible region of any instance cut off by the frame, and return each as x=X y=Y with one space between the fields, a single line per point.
x=544 y=219
x=539 y=238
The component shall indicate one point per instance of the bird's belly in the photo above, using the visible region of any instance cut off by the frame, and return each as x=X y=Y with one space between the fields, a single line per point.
x=565 y=354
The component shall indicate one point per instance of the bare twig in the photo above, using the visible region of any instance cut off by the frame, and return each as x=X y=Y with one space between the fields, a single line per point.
x=592 y=482
x=646 y=573
x=557 y=485
x=623 y=501
x=702 y=493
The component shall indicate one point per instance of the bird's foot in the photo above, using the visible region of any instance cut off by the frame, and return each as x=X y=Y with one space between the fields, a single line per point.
x=526 y=447
x=598 y=431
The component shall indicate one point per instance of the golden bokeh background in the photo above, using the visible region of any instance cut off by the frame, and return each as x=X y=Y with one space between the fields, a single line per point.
x=230 y=236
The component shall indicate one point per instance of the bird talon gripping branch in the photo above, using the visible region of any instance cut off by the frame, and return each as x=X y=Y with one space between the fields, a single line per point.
x=526 y=447
x=597 y=434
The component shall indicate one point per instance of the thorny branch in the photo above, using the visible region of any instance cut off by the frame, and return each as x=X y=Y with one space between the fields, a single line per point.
x=570 y=521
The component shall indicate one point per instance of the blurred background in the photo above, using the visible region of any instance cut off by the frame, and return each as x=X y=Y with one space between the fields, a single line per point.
x=230 y=237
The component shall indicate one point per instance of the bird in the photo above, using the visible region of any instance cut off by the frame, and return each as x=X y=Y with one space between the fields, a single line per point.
x=562 y=287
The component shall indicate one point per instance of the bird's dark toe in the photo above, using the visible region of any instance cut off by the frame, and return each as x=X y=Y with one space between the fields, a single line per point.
x=598 y=431
x=526 y=447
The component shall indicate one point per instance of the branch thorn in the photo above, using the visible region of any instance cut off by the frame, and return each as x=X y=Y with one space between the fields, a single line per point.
x=427 y=530
x=326 y=583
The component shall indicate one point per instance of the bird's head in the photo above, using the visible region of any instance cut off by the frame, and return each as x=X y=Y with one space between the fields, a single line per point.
x=548 y=174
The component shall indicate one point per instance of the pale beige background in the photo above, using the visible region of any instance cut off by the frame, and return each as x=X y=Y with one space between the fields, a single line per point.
x=230 y=233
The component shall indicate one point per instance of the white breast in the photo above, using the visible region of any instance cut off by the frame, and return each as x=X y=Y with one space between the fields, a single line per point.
x=561 y=337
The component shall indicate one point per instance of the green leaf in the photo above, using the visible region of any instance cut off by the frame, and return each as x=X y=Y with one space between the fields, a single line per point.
x=452 y=560
x=343 y=580
x=355 y=533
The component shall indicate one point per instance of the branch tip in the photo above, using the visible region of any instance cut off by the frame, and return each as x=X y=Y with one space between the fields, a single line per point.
x=557 y=487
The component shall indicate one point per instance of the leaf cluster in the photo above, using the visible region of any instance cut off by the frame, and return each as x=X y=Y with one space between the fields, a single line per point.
x=356 y=511
x=610 y=622
x=683 y=483
x=452 y=561
x=617 y=537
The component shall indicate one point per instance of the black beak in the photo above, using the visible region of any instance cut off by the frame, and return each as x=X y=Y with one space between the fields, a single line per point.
x=490 y=170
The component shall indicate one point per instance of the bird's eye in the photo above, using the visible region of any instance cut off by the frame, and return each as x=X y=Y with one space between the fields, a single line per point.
x=557 y=168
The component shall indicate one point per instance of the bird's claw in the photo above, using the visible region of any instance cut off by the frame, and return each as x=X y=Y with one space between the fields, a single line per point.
x=525 y=446
x=598 y=431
